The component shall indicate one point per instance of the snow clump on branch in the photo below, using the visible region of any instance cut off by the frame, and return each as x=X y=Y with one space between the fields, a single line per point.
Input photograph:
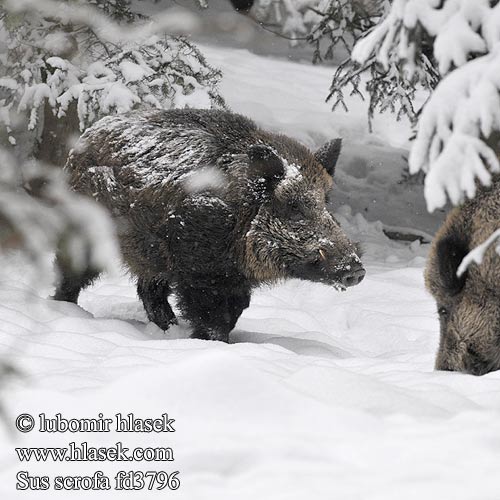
x=455 y=143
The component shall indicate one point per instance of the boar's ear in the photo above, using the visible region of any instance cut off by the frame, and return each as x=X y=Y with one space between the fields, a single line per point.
x=265 y=164
x=328 y=154
x=450 y=252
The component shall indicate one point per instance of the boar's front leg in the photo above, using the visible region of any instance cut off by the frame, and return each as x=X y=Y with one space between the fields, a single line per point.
x=154 y=295
x=213 y=311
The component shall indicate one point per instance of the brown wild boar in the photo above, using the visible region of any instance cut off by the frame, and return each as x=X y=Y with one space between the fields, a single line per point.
x=469 y=305
x=209 y=206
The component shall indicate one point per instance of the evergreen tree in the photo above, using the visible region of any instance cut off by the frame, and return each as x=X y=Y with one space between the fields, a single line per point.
x=457 y=133
x=61 y=74
x=65 y=64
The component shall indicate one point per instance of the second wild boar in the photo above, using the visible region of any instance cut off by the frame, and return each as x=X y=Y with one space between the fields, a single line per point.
x=468 y=305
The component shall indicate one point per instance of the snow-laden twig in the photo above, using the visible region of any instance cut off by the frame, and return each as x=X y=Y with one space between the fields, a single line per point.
x=293 y=19
x=168 y=21
x=455 y=26
x=345 y=24
x=477 y=255
x=464 y=110
x=161 y=72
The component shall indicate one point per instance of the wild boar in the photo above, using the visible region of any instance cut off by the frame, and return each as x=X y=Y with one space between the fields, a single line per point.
x=468 y=305
x=209 y=206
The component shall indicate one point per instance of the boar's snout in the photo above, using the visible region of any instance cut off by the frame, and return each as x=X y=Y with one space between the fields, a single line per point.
x=464 y=349
x=321 y=267
x=353 y=274
x=470 y=361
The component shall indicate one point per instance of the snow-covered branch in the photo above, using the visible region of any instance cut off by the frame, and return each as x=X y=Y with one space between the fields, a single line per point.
x=160 y=73
x=464 y=110
x=107 y=29
x=460 y=29
x=477 y=255
x=293 y=19
x=56 y=62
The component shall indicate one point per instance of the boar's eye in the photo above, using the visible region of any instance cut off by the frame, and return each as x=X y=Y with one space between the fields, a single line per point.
x=443 y=312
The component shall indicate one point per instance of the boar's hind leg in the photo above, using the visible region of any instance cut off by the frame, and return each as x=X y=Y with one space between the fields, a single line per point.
x=72 y=282
x=212 y=312
x=154 y=295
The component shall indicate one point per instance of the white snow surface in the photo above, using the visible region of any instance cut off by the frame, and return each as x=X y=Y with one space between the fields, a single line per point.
x=318 y=395
x=318 y=391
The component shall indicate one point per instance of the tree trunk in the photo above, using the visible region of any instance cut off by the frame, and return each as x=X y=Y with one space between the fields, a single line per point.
x=58 y=135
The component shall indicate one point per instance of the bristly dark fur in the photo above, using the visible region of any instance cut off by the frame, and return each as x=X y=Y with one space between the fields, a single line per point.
x=256 y=216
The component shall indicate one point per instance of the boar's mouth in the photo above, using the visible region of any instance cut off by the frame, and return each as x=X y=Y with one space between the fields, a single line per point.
x=322 y=269
x=472 y=364
x=475 y=363
x=475 y=353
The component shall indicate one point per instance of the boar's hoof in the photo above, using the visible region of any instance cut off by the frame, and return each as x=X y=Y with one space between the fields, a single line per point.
x=210 y=334
x=165 y=323
x=163 y=317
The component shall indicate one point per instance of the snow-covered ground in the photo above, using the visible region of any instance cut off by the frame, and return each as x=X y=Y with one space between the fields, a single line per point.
x=319 y=395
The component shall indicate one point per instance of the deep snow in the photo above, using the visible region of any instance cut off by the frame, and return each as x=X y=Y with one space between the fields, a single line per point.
x=320 y=394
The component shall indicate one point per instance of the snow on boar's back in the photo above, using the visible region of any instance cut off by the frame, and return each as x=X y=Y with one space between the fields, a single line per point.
x=208 y=206
x=468 y=305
